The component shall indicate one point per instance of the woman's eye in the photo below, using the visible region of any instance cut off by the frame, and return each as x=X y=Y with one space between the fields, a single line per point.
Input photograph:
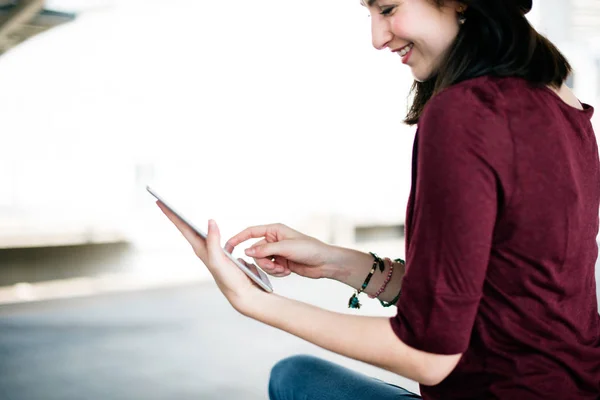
x=387 y=10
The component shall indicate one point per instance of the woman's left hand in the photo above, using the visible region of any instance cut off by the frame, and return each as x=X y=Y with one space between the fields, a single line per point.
x=234 y=283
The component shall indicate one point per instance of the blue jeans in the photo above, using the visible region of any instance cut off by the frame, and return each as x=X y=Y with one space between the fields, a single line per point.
x=309 y=378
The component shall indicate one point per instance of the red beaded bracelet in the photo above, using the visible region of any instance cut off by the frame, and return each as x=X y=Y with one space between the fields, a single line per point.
x=387 y=279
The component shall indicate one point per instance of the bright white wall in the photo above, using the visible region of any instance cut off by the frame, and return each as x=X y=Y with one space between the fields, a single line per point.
x=287 y=106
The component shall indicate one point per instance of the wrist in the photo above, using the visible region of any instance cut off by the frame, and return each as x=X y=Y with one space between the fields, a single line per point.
x=334 y=265
x=349 y=266
x=250 y=303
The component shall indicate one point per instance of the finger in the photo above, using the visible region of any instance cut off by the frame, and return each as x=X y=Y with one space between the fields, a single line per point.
x=172 y=217
x=260 y=243
x=229 y=247
x=253 y=268
x=280 y=266
x=271 y=263
x=278 y=269
x=273 y=268
x=269 y=250
x=213 y=241
x=283 y=264
x=254 y=232
x=266 y=264
x=190 y=235
x=282 y=274
x=259 y=231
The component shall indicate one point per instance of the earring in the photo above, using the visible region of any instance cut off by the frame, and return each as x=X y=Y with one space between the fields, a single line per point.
x=461 y=16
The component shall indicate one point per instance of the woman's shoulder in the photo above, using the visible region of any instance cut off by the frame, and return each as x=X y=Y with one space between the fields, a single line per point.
x=477 y=99
x=473 y=113
x=489 y=97
x=504 y=98
x=483 y=91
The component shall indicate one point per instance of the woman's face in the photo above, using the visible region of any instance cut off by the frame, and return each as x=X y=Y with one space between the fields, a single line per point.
x=418 y=31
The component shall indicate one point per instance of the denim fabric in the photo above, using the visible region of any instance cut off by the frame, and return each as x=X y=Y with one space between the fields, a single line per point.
x=305 y=377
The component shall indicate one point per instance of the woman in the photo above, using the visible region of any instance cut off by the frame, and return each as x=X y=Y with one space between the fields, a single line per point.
x=498 y=295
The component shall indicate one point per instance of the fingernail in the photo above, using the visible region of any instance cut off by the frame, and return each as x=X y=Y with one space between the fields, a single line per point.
x=250 y=252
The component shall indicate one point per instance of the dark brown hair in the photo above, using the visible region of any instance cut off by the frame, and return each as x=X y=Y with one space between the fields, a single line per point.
x=495 y=40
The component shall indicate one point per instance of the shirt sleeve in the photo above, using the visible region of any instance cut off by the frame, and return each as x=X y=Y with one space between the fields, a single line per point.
x=452 y=223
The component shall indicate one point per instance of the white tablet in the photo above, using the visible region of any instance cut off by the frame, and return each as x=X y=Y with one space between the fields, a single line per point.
x=261 y=279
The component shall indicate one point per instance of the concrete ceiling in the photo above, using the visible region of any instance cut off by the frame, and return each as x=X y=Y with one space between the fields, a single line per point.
x=22 y=19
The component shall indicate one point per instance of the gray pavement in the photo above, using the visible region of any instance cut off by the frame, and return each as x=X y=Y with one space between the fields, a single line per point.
x=170 y=343
x=178 y=343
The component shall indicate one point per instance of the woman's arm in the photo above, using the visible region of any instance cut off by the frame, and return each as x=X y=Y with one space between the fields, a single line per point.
x=367 y=339
x=283 y=250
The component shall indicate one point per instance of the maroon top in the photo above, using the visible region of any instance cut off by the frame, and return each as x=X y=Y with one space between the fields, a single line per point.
x=501 y=243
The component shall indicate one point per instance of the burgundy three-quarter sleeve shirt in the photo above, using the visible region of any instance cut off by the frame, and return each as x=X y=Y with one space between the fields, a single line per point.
x=501 y=243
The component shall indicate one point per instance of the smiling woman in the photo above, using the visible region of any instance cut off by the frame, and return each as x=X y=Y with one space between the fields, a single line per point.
x=497 y=40
x=497 y=296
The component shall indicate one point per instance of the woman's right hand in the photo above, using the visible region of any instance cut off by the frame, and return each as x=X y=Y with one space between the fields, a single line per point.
x=284 y=250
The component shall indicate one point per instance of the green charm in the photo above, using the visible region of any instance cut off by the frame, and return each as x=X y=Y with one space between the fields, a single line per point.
x=377 y=263
x=354 y=303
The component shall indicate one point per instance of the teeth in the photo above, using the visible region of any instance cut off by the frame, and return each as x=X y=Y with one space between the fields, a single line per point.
x=405 y=50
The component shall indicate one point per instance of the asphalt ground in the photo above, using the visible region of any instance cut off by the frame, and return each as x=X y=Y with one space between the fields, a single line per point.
x=182 y=342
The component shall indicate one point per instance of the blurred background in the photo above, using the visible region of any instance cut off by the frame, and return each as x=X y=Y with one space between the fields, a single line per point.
x=245 y=112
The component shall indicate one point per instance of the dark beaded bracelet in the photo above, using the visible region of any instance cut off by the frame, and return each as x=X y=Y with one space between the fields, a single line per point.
x=377 y=263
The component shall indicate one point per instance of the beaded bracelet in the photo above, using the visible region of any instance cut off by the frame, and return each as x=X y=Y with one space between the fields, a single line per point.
x=387 y=280
x=395 y=299
x=377 y=262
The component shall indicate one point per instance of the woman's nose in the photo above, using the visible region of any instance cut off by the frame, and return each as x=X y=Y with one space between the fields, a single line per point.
x=380 y=32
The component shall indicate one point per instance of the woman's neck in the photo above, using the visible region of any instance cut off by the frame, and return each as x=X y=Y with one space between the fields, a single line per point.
x=567 y=96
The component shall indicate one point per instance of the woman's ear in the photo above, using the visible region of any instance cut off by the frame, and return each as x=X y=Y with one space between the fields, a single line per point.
x=460 y=12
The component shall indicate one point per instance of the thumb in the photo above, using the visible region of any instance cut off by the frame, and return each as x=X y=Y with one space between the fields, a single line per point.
x=213 y=240
x=265 y=250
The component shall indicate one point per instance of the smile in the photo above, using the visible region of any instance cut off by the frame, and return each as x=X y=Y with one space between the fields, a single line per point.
x=404 y=50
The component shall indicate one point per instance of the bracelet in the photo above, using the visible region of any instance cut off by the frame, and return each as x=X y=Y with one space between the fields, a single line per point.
x=395 y=299
x=377 y=262
x=387 y=280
